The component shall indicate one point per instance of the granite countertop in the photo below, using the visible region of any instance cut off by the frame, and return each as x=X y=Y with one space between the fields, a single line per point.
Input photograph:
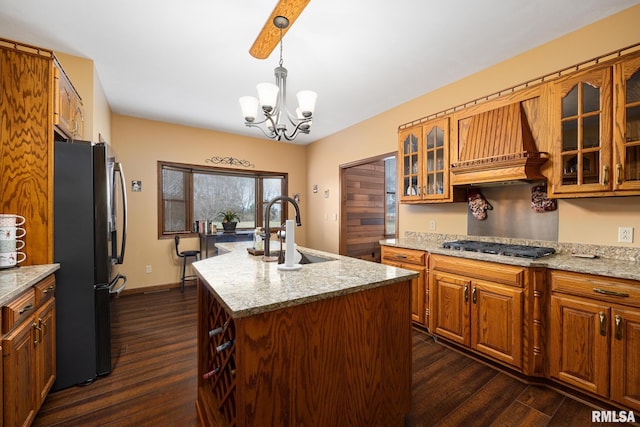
x=14 y=281
x=611 y=261
x=246 y=285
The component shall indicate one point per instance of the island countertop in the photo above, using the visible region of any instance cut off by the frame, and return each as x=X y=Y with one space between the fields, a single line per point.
x=247 y=285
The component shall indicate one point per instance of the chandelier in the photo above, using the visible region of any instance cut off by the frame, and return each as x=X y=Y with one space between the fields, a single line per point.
x=278 y=121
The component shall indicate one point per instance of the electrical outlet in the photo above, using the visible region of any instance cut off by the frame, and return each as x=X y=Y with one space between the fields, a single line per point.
x=147 y=269
x=432 y=225
x=625 y=234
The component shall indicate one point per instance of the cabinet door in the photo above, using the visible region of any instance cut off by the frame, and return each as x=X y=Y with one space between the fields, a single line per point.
x=625 y=357
x=45 y=339
x=579 y=343
x=627 y=125
x=19 y=371
x=496 y=322
x=451 y=307
x=582 y=117
x=436 y=159
x=409 y=164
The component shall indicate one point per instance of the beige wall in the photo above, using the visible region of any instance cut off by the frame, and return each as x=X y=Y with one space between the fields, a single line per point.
x=588 y=220
x=140 y=144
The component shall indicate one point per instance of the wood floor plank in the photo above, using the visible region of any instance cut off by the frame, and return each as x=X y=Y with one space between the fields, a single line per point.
x=154 y=381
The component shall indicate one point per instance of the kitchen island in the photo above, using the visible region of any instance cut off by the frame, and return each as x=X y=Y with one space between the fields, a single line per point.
x=326 y=345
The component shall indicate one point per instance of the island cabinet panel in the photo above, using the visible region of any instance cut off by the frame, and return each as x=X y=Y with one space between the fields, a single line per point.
x=625 y=357
x=345 y=360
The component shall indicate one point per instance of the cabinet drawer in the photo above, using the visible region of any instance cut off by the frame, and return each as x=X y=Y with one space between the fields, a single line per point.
x=44 y=289
x=404 y=256
x=482 y=270
x=602 y=288
x=20 y=308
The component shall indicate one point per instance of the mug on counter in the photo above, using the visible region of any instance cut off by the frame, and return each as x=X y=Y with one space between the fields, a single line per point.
x=12 y=233
x=11 y=259
x=11 y=220
x=11 y=245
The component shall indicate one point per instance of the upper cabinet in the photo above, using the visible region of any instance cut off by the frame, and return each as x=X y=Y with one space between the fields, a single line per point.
x=596 y=131
x=68 y=109
x=423 y=162
x=626 y=134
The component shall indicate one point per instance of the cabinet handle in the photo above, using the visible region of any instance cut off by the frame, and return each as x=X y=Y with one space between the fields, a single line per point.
x=618 y=327
x=466 y=293
x=474 y=296
x=26 y=308
x=611 y=293
x=603 y=324
x=605 y=175
x=424 y=189
x=37 y=333
x=50 y=288
x=619 y=173
x=401 y=256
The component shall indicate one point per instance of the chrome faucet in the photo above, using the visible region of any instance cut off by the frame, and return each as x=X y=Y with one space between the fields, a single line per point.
x=267 y=212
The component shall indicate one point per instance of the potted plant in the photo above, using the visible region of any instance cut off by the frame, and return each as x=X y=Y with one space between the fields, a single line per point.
x=228 y=219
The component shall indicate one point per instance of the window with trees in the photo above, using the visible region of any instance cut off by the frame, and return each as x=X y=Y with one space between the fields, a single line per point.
x=190 y=193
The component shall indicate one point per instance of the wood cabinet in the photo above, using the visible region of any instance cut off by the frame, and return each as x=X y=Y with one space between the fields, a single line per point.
x=26 y=144
x=596 y=131
x=344 y=360
x=415 y=260
x=493 y=309
x=423 y=162
x=28 y=354
x=485 y=316
x=68 y=109
x=594 y=335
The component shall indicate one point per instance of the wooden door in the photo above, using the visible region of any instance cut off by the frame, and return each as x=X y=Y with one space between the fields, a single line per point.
x=496 y=321
x=364 y=210
x=579 y=343
x=451 y=307
x=45 y=332
x=625 y=357
x=19 y=369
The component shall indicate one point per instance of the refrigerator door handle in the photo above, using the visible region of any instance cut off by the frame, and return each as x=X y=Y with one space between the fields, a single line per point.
x=118 y=168
x=112 y=287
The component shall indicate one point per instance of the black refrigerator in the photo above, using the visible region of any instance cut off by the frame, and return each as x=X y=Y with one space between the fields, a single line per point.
x=89 y=239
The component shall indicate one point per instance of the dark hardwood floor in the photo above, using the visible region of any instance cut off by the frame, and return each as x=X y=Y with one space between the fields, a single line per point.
x=154 y=381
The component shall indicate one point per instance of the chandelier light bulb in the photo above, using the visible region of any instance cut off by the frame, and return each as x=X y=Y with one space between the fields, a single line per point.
x=249 y=105
x=307 y=102
x=268 y=95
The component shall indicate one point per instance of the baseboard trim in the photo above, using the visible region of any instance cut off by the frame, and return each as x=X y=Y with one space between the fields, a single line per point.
x=157 y=288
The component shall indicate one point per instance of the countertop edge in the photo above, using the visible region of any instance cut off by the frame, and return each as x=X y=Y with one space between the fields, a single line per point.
x=16 y=280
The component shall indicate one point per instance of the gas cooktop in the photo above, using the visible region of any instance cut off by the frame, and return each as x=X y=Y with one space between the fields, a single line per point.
x=506 y=249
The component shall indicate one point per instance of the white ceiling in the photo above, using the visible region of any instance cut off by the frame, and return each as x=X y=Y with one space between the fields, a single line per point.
x=187 y=62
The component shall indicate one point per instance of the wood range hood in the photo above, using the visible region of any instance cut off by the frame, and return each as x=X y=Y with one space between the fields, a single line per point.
x=497 y=146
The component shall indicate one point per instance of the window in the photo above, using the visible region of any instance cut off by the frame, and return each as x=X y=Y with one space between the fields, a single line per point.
x=192 y=193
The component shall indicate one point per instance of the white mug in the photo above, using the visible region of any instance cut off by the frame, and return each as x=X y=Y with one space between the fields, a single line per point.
x=10 y=259
x=12 y=233
x=11 y=245
x=11 y=220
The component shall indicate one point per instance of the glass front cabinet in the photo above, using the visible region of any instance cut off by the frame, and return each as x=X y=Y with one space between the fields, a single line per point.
x=423 y=162
x=597 y=131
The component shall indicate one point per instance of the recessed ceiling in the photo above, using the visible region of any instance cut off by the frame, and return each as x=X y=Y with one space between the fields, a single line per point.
x=188 y=62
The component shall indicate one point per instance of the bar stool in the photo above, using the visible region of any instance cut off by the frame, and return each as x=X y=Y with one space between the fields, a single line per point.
x=184 y=255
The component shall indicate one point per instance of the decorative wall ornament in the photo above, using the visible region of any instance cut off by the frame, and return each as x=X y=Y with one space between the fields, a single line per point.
x=216 y=160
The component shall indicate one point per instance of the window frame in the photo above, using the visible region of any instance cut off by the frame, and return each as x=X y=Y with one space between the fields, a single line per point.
x=190 y=169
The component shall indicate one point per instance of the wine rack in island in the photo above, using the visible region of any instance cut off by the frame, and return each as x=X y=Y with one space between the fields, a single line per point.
x=217 y=370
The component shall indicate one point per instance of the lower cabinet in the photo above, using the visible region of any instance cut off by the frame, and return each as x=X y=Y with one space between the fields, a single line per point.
x=595 y=342
x=28 y=356
x=486 y=317
x=417 y=261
